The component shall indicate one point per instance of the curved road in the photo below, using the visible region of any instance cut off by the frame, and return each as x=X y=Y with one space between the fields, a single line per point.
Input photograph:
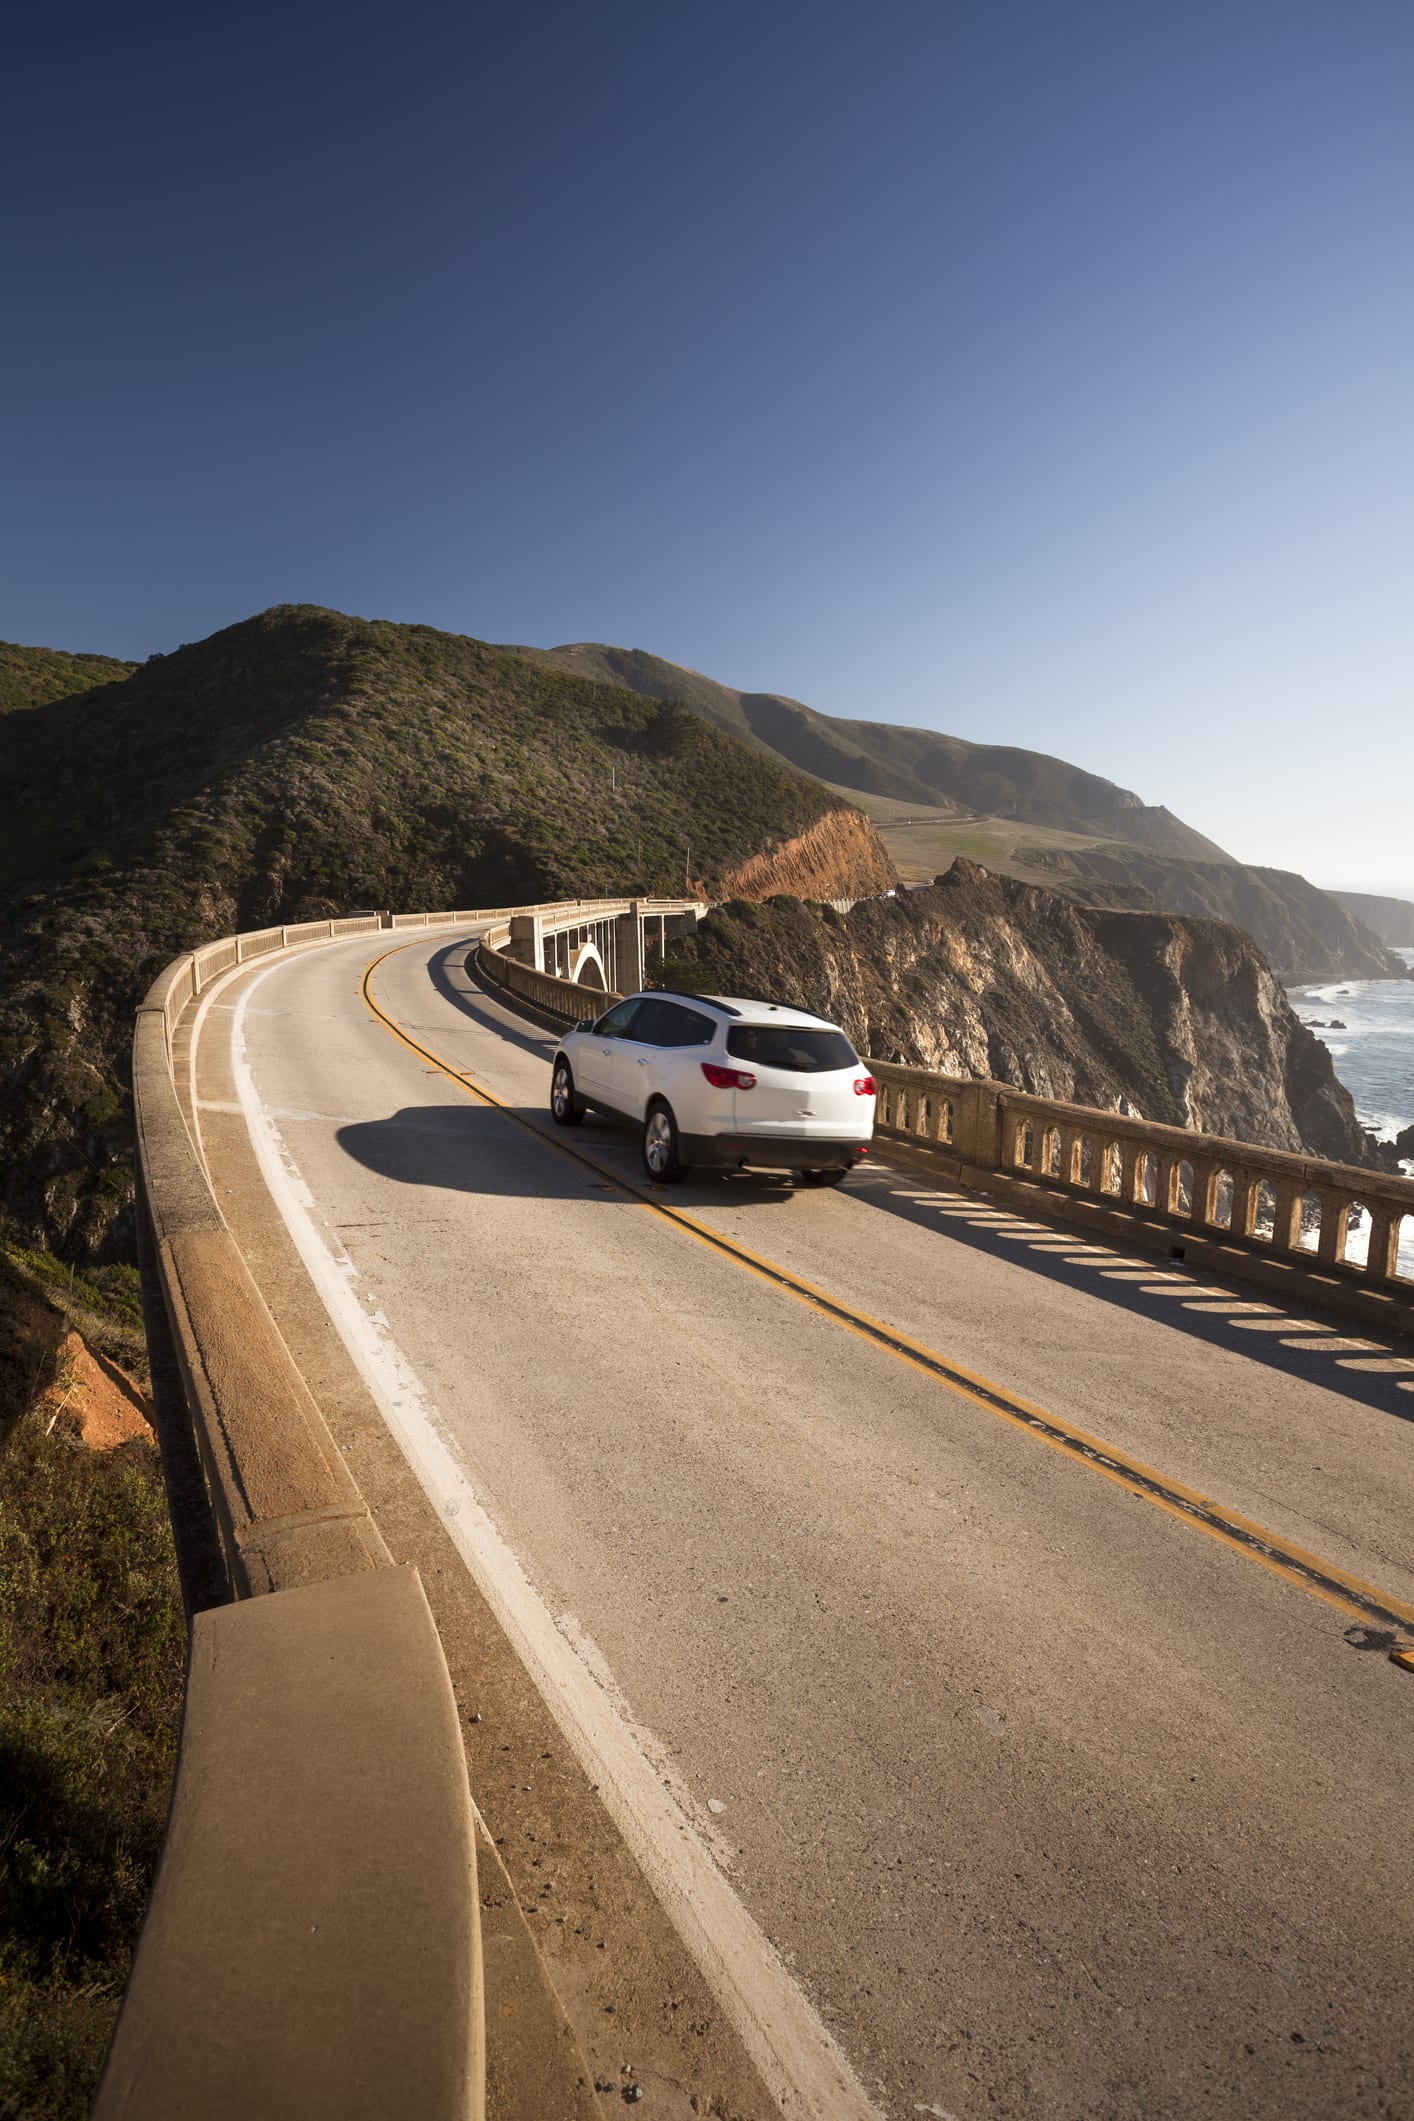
x=1048 y=1802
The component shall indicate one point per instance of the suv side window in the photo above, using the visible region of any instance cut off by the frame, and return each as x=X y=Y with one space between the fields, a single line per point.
x=650 y=1026
x=620 y=1020
x=689 y=1026
x=664 y=1023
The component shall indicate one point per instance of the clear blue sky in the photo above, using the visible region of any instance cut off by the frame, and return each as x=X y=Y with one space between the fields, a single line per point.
x=1042 y=372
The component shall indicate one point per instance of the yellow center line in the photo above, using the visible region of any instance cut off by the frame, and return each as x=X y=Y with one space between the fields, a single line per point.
x=1281 y=1557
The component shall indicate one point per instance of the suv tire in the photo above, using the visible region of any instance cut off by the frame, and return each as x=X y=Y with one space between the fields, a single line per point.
x=813 y=1175
x=661 y=1158
x=566 y=1105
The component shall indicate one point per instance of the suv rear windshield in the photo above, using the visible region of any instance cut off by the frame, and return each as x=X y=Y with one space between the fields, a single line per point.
x=790 y=1046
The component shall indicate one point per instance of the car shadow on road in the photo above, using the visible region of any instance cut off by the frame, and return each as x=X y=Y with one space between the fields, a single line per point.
x=1243 y=1318
x=513 y=1151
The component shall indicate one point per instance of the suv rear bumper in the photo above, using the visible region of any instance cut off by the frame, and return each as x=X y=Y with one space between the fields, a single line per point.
x=770 y=1152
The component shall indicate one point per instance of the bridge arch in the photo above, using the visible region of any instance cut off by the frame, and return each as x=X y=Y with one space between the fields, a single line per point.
x=587 y=968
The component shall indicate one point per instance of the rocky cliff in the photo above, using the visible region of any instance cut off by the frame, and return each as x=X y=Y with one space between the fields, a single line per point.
x=840 y=856
x=1171 y=1019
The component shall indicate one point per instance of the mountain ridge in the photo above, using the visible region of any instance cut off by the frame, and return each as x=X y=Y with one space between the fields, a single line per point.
x=1391 y=919
x=1307 y=933
x=1146 y=857
x=894 y=759
x=31 y=677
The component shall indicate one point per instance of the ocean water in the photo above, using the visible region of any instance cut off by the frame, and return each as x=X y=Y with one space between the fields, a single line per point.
x=1374 y=1058
x=1374 y=1054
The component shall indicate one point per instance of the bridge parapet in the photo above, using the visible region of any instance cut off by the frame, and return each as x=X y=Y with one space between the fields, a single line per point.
x=1346 y=1234
x=312 y=1944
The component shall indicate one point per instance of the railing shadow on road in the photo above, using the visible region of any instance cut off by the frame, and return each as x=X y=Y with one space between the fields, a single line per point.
x=455 y=977
x=1245 y=1321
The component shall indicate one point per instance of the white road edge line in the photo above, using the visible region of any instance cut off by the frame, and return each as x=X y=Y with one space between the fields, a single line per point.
x=802 y=2064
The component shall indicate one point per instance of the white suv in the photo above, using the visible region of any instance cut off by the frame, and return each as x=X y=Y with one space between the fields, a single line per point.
x=723 y=1081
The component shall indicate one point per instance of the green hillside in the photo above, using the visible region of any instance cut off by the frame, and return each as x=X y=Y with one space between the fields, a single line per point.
x=919 y=766
x=31 y=676
x=298 y=765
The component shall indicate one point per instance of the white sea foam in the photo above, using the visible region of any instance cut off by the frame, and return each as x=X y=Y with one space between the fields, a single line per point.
x=1374 y=1058
x=1374 y=1048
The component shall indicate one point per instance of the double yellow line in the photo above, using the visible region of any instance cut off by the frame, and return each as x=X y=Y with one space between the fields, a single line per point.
x=1362 y=1601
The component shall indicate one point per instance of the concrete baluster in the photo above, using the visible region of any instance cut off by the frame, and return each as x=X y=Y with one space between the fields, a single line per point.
x=1016 y=1159
x=1129 y=1155
x=1206 y=1178
x=1244 y=1200
x=1286 y=1227
x=1333 y=1212
x=1384 y=1241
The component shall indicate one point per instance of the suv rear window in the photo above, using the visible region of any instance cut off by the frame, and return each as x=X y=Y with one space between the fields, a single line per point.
x=804 y=1051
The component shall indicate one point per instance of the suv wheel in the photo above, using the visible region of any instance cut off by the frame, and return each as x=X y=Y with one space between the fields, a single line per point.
x=566 y=1107
x=660 y=1147
x=813 y=1176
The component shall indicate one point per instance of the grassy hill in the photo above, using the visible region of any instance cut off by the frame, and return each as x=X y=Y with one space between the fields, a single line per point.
x=31 y=676
x=298 y=765
x=913 y=766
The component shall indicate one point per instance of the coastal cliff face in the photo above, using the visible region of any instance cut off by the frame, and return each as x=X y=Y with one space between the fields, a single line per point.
x=1392 y=919
x=1161 y=1017
x=1308 y=934
x=840 y=856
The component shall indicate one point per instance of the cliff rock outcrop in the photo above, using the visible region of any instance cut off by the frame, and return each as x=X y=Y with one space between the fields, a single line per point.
x=1165 y=1018
x=840 y=856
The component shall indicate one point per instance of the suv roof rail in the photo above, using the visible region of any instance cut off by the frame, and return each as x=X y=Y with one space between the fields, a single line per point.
x=681 y=994
x=776 y=1001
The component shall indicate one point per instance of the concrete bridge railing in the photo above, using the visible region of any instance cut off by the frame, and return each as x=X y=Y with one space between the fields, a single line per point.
x=312 y=1942
x=1344 y=1235
x=1327 y=1233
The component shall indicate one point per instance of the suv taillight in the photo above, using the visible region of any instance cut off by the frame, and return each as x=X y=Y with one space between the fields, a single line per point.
x=728 y=1078
x=865 y=1086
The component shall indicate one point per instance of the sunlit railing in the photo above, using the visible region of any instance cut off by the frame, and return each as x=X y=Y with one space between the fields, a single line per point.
x=1355 y=1224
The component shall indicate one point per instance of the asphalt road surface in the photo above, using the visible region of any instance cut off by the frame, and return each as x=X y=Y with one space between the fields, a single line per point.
x=1049 y=1801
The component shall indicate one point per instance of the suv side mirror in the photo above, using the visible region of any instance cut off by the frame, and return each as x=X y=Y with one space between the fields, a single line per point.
x=586 y=1023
